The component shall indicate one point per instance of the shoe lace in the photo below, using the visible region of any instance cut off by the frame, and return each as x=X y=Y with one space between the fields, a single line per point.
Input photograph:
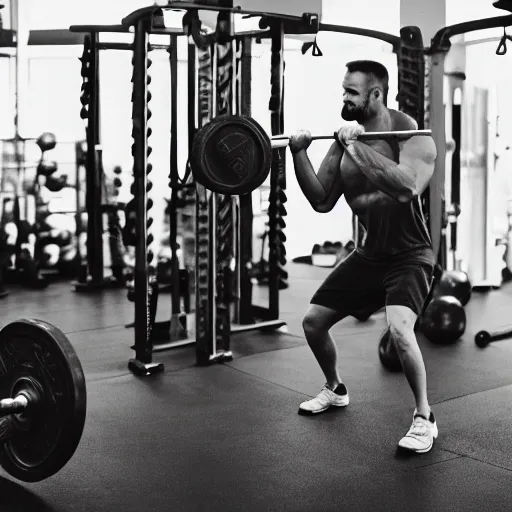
x=323 y=396
x=418 y=427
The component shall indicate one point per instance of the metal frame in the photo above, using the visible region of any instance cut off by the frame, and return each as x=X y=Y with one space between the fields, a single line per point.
x=393 y=40
x=54 y=37
x=441 y=40
x=95 y=279
x=147 y=12
x=98 y=281
x=143 y=363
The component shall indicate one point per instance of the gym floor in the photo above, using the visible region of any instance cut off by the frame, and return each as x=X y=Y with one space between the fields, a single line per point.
x=228 y=437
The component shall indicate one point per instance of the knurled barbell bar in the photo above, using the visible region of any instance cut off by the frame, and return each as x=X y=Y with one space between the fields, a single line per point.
x=281 y=141
x=232 y=154
x=42 y=421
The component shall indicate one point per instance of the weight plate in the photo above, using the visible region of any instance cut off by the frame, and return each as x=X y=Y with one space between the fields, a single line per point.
x=43 y=438
x=231 y=155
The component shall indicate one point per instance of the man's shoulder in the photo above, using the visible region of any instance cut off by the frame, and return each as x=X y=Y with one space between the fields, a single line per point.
x=402 y=121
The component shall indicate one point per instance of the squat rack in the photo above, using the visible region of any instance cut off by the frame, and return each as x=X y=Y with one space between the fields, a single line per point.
x=213 y=327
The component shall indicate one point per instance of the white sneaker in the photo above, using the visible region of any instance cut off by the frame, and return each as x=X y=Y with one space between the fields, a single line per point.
x=325 y=399
x=421 y=435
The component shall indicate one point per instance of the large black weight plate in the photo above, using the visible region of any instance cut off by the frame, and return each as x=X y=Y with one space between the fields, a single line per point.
x=46 y=436
x=231 y=155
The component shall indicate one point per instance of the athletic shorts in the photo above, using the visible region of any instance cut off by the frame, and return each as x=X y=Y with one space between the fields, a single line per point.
x=360 y=286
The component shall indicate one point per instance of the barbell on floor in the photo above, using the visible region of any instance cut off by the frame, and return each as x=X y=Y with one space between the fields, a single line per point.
x=41 y=424
x=232 y=154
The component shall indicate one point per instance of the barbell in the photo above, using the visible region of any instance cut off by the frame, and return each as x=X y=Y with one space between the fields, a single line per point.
x=42 y=421
x=232 y=154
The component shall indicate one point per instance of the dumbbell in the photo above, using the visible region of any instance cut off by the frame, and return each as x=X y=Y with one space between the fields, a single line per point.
x=483 y=338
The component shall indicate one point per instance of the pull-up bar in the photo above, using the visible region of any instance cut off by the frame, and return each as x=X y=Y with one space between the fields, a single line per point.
x=441 y=40
x=310 y=19
x=358 y=31
x=110 y=29
x=53 y=37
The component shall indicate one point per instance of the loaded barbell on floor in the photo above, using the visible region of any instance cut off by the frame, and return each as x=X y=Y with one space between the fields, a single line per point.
x=232 y=154
x=41 y=424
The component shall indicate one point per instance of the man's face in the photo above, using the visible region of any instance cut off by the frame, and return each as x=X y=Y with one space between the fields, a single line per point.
x=356 y=98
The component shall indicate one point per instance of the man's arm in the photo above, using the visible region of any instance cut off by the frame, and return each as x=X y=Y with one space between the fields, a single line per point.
x=405 y=180
x=322 y=190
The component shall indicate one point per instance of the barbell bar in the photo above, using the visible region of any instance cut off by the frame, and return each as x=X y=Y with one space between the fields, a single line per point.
x=281 y=141
x=13 y=405
x=232 y=154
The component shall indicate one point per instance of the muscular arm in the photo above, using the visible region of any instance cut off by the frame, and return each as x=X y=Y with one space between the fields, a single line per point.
x=322 y=190
x=402 y=181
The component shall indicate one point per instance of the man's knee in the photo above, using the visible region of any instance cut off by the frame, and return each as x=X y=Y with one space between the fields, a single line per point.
x=401 y=321
x=312 y=323
x=319 y=319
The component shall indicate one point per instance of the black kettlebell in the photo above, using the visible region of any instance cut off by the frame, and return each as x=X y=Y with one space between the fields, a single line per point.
x=387 y=353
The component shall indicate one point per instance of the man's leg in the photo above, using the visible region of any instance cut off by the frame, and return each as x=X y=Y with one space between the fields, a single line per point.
x=354 y=288
x=407 y=286
x=317 y=322
x=401 y=321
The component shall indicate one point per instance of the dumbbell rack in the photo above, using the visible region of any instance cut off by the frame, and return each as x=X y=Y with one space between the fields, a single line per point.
x=25 y=203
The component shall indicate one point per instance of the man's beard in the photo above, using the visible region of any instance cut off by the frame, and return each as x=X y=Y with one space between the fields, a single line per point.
x=358 y=113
